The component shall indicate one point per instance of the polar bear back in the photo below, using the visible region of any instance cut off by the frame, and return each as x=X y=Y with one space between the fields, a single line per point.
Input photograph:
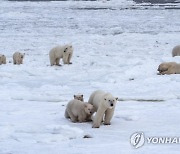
x=76 y=106
x=57 y=51
x=176 y=51
x=97 y=97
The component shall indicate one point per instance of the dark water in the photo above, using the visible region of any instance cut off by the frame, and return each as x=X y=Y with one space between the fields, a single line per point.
x=137 y=1
x=156 y=1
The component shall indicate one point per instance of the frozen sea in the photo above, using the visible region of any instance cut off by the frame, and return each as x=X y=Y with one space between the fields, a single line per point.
x=118 y=46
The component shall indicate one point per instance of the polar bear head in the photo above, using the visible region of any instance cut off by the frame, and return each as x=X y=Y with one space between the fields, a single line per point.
x=22 y=55
x=89 y=109
x=79 y=97
x=110 y=101
x=165 y=66
x=67 y=54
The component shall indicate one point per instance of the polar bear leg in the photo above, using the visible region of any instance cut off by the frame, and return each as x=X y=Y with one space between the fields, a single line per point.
x=98 y=117
x=52 y=60
x=72 y=117
x=108 y=116
x=167 y=72
x=170 y=70
x=80 y=118
x=69 y=59
x=57 y=61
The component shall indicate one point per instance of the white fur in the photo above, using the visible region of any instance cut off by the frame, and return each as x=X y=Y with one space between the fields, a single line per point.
x=176 y=51
x=2 y=59
x=18 y=58
x=104 y=104
x=61 y=52
x=79 y=97
x=169 y=68
x=79 y=111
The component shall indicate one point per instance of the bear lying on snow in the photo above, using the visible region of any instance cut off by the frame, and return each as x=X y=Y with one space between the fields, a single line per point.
x=104 y=104
x=169 y=68
x=176 y=51
x=65 y=52
x=2 y=59
x=18 y=58
x=79 y=111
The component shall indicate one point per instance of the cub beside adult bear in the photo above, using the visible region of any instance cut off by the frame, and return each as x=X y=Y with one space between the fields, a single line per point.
x=79 y=111
x=57 y=53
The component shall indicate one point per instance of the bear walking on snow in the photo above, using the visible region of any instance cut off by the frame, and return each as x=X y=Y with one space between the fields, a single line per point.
x=104 y=104
x=18 y=58
x=79 y=97
x=61 y=52
x=169 y=68
x=2 y=59
x=176 y=51
x=79 y=111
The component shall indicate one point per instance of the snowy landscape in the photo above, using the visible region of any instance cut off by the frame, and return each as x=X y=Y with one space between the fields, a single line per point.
x=118 y=46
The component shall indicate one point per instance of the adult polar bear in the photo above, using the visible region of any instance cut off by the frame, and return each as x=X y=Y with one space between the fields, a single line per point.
x=104 y=104
x=65 y=52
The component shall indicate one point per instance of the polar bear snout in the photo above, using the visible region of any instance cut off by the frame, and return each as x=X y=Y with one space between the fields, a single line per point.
x=111 y=102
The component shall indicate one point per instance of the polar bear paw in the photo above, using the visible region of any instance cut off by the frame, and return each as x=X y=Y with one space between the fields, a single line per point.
x=95 y=126
x=107 y=123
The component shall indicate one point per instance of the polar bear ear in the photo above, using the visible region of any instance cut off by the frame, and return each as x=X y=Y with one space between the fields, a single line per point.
x=81 y=95
x=116 y=98
x=105 y=99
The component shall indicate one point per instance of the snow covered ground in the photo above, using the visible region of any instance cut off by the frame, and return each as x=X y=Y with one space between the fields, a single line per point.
x=116 y=50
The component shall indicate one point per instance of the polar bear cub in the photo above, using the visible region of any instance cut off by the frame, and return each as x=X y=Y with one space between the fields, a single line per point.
x=79 y=111
x=104 y=104
x=18 y=58
x=79 y=97
x=2 y=59
x=61 y=52
x=176 y=51
x=169 y=68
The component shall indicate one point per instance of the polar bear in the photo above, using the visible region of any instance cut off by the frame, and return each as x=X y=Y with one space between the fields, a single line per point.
x=169 y=68
x=18 y=58
x=104 y=104
x=79 y=97
x=65 y=52
x=79 y=111
x=176 y=51
x=2 y=59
